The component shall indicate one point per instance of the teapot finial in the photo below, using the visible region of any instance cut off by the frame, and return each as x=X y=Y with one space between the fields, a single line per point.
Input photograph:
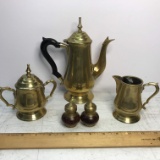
x=79 y=25
x=28 y=70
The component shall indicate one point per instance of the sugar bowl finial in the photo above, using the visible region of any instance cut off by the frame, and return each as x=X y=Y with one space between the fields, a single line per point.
x=28 y=70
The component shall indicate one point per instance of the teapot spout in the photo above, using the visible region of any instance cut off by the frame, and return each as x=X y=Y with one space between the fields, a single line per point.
x=99 y=67
x=118 y=82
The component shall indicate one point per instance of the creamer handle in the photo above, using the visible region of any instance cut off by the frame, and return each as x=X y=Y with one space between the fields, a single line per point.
x=156 y=91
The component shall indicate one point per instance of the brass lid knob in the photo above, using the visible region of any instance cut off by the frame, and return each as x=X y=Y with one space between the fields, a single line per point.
x=28 y=70
x=80 y=25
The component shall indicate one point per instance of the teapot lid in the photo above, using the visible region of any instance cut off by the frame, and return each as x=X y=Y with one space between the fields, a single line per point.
x=28 y=80
x=79 y=37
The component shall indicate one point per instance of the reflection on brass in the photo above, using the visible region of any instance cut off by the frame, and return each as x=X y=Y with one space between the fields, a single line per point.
x=89 y=117
x=128 y=101
x=29 y=96
x=70 y=117
x=80 y=73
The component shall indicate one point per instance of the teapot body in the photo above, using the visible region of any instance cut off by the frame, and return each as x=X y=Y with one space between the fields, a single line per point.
x=78 y=78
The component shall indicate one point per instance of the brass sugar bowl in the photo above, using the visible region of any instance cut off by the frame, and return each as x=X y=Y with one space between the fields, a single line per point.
x=29 y=96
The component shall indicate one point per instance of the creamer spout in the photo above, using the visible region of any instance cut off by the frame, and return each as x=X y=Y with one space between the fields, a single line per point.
x=118 y=82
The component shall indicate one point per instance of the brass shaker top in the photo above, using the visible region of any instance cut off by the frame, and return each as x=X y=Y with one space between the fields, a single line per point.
x=28 y=80
x=79 y=37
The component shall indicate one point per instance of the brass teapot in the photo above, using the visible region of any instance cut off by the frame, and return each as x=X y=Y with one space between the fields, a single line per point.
x=29 y=96
x=80 y=72
x=128 y=102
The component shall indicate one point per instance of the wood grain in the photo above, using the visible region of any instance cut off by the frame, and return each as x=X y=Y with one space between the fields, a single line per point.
x=79 y=140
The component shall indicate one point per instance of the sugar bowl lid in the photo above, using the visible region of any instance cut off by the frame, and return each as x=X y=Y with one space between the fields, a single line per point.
x=28 y=80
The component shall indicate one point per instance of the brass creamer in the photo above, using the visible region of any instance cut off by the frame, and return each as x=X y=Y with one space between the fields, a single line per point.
x=29 y=96
x=128 y=101
x=80 y=72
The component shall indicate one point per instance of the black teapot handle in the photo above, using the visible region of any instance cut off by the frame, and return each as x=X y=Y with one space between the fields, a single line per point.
x=45 y=43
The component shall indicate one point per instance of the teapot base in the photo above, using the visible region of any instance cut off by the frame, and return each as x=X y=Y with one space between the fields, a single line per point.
x=31 y=116
x=126 y=118
x=78 y=98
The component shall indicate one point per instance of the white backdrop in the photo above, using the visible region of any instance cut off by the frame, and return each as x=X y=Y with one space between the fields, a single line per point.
x=134 y=24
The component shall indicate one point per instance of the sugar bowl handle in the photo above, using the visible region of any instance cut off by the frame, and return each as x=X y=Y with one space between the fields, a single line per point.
x=155 y=92
x=3 y=99
x=54 y=87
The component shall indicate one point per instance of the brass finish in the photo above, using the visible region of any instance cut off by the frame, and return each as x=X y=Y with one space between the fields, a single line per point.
x=79 y=37
x=79 y=98
x=80 y=72
x=79 y=140
x=128 y=101
x=89 y=117
x=29 y=96
x=70 y=117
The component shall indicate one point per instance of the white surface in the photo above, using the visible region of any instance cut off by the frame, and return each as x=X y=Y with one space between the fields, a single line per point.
x=51 y=122
x=134 y=25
